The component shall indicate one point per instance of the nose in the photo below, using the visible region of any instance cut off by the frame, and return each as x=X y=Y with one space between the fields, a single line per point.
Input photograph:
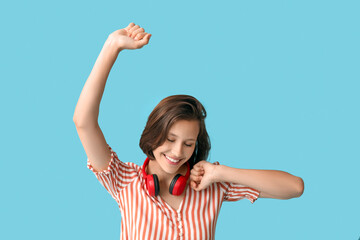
x=177 y=150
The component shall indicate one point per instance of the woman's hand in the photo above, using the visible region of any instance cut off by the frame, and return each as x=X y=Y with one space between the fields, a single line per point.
x=131 y=37
x=202 y=175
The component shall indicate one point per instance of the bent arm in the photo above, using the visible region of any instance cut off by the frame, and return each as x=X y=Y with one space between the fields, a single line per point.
x=87 y=109
x=270 y=183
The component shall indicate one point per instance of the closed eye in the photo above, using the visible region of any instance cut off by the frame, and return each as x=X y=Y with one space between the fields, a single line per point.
x=188 y=145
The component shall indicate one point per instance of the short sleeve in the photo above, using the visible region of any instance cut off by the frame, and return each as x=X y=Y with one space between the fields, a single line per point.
x=117 y=175
x=236 y=192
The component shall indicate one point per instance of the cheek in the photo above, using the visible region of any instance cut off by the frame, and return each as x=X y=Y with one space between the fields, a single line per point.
x=191 y=150
x=159 y=150
x=156 y=152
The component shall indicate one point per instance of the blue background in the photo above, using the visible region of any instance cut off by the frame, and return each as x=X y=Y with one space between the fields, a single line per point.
x=279 y=80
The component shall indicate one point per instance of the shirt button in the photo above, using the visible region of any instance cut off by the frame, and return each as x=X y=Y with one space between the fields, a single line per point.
x=180 y=226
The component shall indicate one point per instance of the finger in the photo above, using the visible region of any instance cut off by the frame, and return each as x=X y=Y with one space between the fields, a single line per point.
x=194 y=172
x=198 y=167
x=133 y=29
x=196 y=178
x=193 y=184
x=130 y=26
x=140 y=36
x=197 y=187
x=197 y=173
x=143 y=41
x=136 y=31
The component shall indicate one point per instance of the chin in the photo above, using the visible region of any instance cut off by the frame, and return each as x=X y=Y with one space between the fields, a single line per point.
x=171 y=167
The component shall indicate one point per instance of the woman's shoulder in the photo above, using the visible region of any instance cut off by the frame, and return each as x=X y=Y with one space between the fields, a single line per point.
x=133 y=165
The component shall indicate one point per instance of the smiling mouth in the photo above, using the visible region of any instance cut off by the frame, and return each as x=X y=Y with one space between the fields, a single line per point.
x=171 y=159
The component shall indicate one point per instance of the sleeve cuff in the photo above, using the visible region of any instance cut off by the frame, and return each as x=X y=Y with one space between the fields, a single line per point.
x=254 y=196
x=109 y=167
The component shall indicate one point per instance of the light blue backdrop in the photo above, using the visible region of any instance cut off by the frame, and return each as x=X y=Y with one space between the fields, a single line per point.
x=279 y=80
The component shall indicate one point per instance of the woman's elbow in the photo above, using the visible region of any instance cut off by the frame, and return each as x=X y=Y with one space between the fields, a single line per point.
x=300 y=187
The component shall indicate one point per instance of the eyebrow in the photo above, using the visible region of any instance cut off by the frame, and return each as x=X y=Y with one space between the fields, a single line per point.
x=172 y=134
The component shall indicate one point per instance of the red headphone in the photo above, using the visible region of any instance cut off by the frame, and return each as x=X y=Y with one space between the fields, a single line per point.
x=177 y=185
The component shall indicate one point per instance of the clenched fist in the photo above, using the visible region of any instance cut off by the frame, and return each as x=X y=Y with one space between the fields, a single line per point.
x=131 y=37
x=202 y=175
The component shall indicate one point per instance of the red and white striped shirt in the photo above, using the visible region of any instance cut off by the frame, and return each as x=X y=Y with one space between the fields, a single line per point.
x=147 y=217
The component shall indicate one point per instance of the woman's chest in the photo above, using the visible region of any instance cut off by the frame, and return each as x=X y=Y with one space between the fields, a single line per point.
x=171 y=200
x=176 y=216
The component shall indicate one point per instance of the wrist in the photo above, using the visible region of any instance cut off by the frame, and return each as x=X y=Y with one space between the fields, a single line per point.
x=113 y=44
x=217 y=173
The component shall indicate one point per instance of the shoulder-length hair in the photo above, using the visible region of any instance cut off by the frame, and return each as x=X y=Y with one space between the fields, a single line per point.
x=164 y=115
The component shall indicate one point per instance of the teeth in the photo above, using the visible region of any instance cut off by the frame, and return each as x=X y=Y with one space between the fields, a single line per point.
x=172 y=160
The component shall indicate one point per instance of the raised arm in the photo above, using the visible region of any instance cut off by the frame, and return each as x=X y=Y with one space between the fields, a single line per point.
x=87 y=108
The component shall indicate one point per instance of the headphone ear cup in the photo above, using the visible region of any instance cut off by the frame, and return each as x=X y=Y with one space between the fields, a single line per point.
x=177 y=185
x=156 y=184
x=152 y=184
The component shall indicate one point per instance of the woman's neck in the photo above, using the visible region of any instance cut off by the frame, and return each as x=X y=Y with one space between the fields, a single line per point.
x=164 y=177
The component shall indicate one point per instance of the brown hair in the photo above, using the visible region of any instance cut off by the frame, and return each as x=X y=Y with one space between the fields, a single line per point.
x=165 y=114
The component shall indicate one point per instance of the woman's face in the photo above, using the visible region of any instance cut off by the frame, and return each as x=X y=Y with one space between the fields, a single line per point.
x=178 y=146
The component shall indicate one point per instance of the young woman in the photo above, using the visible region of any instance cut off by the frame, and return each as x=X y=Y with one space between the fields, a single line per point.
x=176 y=193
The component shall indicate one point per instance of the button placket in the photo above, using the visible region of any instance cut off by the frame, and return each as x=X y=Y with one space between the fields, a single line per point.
x=180 y=226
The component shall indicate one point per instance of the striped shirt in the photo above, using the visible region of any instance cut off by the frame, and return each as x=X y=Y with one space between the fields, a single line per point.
x=147 y=217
